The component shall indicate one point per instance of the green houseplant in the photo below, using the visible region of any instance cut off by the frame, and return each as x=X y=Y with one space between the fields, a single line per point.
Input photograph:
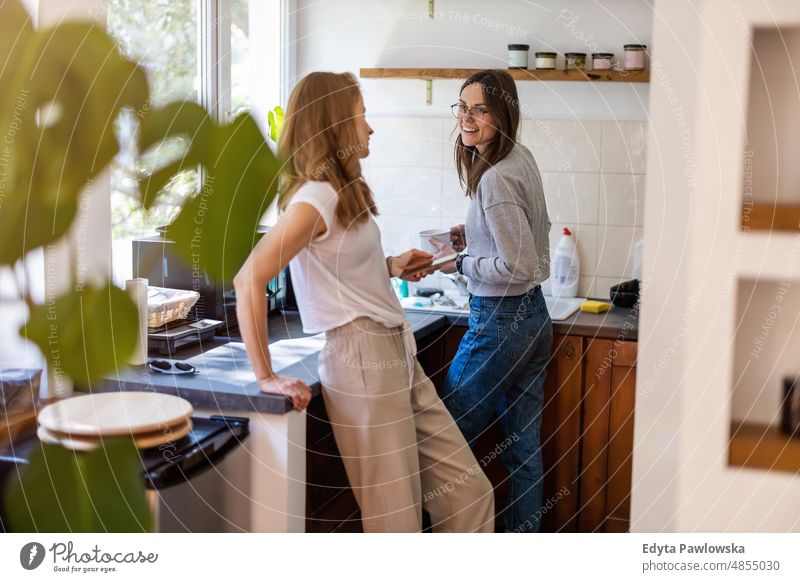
x=64 y=88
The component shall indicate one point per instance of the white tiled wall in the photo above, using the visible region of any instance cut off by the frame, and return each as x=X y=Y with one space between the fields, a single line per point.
x=592 y=171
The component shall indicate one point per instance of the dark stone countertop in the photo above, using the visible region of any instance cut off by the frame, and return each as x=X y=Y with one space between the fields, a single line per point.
x=620 y=323
x=225 y=381
x=617 y=323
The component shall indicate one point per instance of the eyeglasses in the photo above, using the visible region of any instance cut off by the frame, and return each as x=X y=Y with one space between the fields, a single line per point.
x=460 y=110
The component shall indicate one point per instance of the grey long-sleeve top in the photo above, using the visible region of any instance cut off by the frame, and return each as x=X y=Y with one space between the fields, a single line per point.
x=507 y=229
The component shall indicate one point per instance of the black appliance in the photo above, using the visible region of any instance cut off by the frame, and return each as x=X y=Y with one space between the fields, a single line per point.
x=209 y=441
x=155 y=259
x=167 y=340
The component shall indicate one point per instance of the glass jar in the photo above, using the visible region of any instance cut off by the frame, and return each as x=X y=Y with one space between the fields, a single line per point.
x=574 y=61
x=546 y=61
x=518 y=56
x=602 y=61
x=634 y=57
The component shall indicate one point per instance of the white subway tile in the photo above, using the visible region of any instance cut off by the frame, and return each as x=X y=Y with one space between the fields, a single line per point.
x=449 y=134
x=615 y=245
x=603 y=284
x=563 y=146
x=411 y=191
x=621 y=199
x=402 y=142
x=571 y=197
x=401 y=233
x=454 y=200
x=624 y=147
x=586 y=287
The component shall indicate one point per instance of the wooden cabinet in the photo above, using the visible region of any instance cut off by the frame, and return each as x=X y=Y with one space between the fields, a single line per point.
x=561 y=434
x=330 y=503
x=587 y=434
x=607 y=435
x=587 y=439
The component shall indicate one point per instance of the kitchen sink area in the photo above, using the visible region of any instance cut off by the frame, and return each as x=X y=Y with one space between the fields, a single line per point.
x=559 y=308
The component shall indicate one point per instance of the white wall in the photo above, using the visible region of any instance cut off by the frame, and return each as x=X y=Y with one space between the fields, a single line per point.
x=701 y=312
x=346 y=35
x=589 y=139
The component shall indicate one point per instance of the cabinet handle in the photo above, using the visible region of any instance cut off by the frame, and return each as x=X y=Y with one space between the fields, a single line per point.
x=569 y=351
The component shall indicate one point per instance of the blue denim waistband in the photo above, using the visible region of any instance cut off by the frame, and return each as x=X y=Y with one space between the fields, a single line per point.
x=532 y=290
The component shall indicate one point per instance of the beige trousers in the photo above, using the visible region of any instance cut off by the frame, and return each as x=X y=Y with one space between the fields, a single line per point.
x=400 y=446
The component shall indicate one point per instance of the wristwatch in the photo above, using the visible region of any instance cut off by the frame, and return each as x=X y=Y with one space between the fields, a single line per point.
x=459 y=260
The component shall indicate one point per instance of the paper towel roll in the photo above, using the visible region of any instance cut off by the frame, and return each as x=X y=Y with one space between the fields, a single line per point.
x=137 y=289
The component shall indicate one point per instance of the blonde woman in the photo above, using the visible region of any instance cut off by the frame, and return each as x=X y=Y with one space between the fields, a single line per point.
x=399 y=444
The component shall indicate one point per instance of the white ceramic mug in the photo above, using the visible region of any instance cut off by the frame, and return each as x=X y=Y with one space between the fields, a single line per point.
x=437 y=233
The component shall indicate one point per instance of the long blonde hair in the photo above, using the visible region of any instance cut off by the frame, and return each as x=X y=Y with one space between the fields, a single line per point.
x=319 y=143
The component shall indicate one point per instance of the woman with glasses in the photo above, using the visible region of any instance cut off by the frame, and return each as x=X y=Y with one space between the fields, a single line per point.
x=399 y=445
x=501 y=362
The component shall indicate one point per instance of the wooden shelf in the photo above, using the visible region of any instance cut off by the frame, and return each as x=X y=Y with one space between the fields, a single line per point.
x=775 y=217
x=763 y=447
x=518 y=74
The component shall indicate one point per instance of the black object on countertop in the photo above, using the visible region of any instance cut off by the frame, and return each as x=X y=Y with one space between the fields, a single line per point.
x=428 y=291
x=155 y=259
x=174 y=368
x=625 y=294
x=173 y=336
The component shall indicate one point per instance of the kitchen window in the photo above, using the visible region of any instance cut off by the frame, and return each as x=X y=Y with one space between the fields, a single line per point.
x=224 y=54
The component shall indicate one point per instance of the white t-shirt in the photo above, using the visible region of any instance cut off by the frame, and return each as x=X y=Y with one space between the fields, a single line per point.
x=341 y=275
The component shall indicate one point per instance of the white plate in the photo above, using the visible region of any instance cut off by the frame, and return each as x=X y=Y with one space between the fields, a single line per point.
x=115 y=413
x=144 y=441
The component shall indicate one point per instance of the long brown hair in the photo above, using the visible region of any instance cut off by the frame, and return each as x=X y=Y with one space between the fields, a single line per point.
x=319 y=143
x=500 y=97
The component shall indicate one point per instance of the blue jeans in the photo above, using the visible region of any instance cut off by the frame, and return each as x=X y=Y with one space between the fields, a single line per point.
x=500 y=367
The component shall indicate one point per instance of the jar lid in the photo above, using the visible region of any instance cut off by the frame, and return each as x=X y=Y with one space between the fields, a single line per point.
x=568 y=55
x=545 y=54
x=635 y=47
x=602 y=55
x=518 y=47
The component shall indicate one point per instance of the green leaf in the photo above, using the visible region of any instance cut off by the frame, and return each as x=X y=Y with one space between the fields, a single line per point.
x=63 y=491
x=86 y=333
x=275 y=118
x=15 y=31
x=160 y=125
x=46 y=495
x=216 y=230
x=75 y=71
x=117 y=488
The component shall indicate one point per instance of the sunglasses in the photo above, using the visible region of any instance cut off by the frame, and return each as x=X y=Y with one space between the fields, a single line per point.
x=174 y=368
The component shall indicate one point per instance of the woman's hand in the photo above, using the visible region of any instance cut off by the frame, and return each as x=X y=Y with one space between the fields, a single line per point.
x=458 y=238
x=297 y=390
x=410 y=260
x=444 y=251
